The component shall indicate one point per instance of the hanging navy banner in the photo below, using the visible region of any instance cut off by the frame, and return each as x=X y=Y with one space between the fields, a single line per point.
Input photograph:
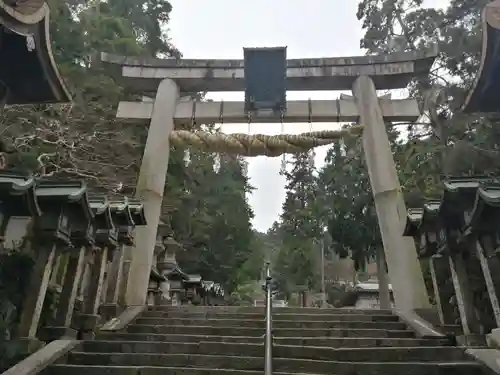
x=265 y=79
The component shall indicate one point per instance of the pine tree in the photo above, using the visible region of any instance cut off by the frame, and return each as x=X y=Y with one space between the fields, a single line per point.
x=296 y=263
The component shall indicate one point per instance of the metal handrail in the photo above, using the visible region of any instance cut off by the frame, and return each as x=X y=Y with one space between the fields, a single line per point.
x=268 y=343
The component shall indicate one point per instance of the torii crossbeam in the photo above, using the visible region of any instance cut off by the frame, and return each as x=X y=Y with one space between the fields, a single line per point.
x=343 y=110
x=333 y=73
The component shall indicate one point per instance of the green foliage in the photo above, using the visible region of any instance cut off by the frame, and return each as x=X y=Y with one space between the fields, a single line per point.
x=212 y=218
x=338 y=294
x=245 y=294
x=348 y=203
x=299 y=228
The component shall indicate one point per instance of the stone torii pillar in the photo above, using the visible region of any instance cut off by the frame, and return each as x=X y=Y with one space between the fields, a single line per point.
x=150 y=187
x=404 y=267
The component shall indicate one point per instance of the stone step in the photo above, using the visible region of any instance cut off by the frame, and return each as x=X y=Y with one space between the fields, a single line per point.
x=333 y=342
x=277 y=332
x=243 y=363
x=424 y=354
x=360 y=342
x=158 y=337
x=418 y=368
x=277 y=310
x=276 y=324
x=276 y=316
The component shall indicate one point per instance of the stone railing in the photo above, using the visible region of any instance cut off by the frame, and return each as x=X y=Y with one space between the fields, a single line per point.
x=460 y=236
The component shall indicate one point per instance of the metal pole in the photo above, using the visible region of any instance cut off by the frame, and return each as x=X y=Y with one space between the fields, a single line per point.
x=268 y=356
x=323 y=288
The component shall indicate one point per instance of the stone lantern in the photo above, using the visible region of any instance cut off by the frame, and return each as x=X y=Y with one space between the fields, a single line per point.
x=412 y=227
x=167 y=265
x=482 y=226
x=124 y=223
x=64 y=204
x=122 y=217
x=157 y=280
x=136 y=209
x=18 y=204
x=82 y=238
x=459 y=235
x=107 y=241
x=106 y=233
x=193 y=287
x=458 y=247
x=138 y=216
x=456 y=208
x=423 y=224
x=428 y=244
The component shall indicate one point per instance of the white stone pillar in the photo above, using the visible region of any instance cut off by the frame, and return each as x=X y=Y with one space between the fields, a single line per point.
x=383 y=281
x=150 y=186
x=404 y=267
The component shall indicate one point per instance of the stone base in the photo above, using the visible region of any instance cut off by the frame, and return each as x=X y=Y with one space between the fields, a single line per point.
x=430 y=315
x=56 y=333
x=86 y=336
x=493 y=339
x=110 y=311
x=151 y=297
x=88 y=322
x=452 y=329
x=160 y=299
x=489 y=358
x=471 y=340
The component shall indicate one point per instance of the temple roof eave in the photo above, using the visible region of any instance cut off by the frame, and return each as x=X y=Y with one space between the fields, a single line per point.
x=52 y=88
x=156 y=276
x=177 y=272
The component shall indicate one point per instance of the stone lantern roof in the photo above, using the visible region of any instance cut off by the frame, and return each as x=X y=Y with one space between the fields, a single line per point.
x=172 y=245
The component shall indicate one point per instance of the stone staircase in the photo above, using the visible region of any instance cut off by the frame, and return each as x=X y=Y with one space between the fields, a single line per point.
x=228 y=340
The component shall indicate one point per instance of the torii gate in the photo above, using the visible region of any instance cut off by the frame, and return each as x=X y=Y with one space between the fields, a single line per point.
x=171 y=78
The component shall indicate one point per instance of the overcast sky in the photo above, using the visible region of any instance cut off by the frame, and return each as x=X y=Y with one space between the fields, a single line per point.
x=219 y=29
